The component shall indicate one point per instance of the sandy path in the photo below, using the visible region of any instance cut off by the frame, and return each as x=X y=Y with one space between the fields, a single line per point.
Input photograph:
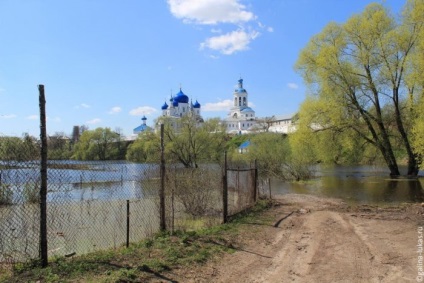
x=321 y=240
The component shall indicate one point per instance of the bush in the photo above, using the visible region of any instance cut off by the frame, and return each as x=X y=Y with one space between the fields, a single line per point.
x=195 y=189
x=6 y=194
x=31 y=193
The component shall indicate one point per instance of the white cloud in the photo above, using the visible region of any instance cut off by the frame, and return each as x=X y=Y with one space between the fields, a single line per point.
x=82 y=105
x=115 y=110
x=33 y=117
x=270 y=29
x=223 y=105
x=231 y=42
x=292 y=85
x=8 y=116
x=210 y=12
x=94 y=121
x=142 y=110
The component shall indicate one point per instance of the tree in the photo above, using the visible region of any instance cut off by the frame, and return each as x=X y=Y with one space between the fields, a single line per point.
x=190 y=142
x=275 y=157
x=357 y=71
x=59 y=146
x=145 y=149
x=98 y=144
x=19 y=149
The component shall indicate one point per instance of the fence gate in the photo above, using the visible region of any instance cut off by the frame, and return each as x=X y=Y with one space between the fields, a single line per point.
x=239 y=188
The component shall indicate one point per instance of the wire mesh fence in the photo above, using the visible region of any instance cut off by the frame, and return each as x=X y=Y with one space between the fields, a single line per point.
x=242 y=187
x=97 y=205
x=193 y=197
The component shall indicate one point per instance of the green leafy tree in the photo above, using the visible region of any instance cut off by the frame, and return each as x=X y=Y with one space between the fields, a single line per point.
x=145 y=149
x=98 y=144
x=190 y=142
x=19 y=149
x=59 y=147
x=356 y=71
x=274 y=155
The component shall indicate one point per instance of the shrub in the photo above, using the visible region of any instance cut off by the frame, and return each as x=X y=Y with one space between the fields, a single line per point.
x=31 y=193
x=6 y=194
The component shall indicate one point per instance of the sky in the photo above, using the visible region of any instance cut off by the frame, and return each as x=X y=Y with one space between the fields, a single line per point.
x=106 y=63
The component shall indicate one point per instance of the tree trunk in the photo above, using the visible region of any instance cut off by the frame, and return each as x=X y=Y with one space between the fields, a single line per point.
x=412 y=160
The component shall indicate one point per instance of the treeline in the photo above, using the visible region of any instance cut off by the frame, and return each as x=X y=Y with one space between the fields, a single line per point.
x=186 y=142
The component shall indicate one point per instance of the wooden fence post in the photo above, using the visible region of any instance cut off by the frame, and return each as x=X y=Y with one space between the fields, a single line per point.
x=162 y=180
x=255 y=185
x=225 y=191
x=43 y=174
x=128 y=223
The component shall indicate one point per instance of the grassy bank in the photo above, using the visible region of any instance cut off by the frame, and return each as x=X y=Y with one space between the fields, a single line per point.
x=151 y=258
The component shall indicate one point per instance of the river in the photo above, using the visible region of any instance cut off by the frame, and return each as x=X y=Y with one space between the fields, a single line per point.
x=356 y=185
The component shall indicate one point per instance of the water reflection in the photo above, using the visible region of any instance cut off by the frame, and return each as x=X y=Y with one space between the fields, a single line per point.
x=356 y=185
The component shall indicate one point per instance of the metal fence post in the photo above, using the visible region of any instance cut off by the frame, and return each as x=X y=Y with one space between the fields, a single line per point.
x=43 y=173
x=162 y=180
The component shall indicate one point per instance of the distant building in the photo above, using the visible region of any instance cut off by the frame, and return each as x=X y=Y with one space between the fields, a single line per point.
x=241 y=118
x=143 y=127
x=244 y=147
x=180 y=106
x=282 y=124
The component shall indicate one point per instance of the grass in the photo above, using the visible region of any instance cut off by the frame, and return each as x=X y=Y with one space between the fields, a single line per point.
x=140 y=261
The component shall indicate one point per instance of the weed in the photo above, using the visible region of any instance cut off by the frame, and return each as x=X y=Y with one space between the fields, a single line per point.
x=156 y=255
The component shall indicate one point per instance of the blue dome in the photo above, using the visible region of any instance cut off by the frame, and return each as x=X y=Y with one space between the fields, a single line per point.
x=240 y=86
x=196 y=105
x=247 y=109
x=175 y=103
x=164 y=106
x=181 y=97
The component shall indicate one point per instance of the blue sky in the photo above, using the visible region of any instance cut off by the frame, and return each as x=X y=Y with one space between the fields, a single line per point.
x=108 y=63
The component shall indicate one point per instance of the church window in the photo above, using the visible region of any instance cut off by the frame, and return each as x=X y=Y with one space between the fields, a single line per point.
x=244 y=101
x=239 y=101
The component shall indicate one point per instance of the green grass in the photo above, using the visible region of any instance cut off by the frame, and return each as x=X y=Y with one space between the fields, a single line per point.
x=139 y=261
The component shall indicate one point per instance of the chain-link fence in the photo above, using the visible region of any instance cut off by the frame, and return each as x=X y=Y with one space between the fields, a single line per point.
x=242 y=185
x=193 y=197
x=96 y=205
x=90 y=206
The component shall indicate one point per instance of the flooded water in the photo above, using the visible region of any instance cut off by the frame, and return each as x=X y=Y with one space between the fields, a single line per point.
x=357 y=185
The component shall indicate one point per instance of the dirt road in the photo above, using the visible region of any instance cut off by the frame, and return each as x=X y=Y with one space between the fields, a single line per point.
x=321 y=240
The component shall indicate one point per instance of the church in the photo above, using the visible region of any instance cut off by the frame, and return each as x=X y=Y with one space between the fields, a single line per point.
x=241 y=118
x=180 y=106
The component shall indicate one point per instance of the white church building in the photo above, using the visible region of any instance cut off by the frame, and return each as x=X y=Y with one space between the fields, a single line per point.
x=241 y=118
x=179 y=106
